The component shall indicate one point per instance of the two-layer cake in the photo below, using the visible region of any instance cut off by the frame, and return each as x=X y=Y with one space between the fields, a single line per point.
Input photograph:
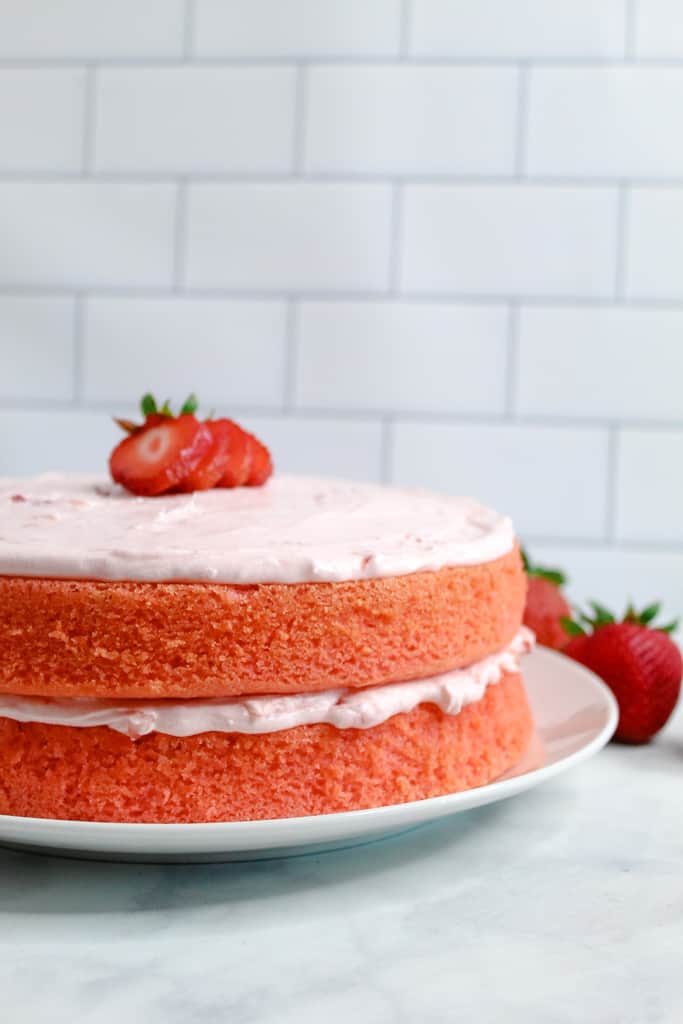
x=304 y=647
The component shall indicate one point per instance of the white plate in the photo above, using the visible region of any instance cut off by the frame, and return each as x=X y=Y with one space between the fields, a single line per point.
x=575 y=717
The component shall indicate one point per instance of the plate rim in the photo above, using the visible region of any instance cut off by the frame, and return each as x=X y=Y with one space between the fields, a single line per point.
x=284 y=829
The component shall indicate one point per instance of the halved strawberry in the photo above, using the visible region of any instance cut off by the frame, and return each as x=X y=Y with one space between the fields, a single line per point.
x=160 y=455
x=236 y=471
x=261 y=463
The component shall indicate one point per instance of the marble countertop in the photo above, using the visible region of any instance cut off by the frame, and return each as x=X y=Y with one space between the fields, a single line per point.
x=560 y=906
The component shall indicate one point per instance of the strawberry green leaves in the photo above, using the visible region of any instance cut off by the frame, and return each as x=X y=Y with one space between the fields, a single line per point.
x=190 y=405
x=555 y=576
x=149 y=407
x=585 y=624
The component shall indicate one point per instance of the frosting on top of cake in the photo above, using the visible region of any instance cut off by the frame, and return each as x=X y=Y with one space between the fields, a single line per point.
x=292 y=530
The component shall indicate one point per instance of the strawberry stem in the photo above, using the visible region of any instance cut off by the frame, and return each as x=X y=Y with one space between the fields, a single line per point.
x=126 y=425
x=572 y=628
x=148 y=405
x=190 y=405
x=555 y=576
x=603 y=617
x=650 y=613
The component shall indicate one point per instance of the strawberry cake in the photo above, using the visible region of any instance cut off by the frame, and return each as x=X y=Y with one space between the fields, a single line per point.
x=301 y=647
x=199 y=642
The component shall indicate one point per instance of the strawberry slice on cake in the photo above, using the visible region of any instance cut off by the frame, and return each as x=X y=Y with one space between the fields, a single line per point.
x=170 y=453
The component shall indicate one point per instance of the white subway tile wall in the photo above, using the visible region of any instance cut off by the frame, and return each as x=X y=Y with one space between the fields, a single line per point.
x=33 y=440
x=385 y=355
x=653 y=254
x=658 y=29
x=520 y=239
x=86 y=234
x=436 y=242
x=604 y=363
x=607 y=122
x=649 y=485
x=187 y=120
x=540 y=475
x=518 y=28
x=88 y=30
x=297 y=28
x=227 y=351
x=41 y=119
x=289 y=236
x=37 y=353
x=352 y=449
x=410 y=120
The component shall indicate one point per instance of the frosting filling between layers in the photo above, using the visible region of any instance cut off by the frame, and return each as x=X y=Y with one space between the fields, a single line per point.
x=342 y=708
x=292 y=530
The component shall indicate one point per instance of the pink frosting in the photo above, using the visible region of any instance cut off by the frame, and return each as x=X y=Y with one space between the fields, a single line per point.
x=292 y=530
x=342 y=708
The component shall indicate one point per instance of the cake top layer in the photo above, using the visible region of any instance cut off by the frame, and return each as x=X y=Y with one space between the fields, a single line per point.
x=292 y=530
x=342 y=707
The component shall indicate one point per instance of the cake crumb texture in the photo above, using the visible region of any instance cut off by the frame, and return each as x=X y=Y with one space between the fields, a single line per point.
x=96 y=774
x=85 y=638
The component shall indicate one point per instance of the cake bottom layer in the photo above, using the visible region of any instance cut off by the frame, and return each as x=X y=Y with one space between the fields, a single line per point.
x=96 y=774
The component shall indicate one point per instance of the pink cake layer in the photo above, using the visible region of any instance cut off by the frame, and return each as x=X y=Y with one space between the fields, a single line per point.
x=97 y=774
x=301 y=585
x=85 y=638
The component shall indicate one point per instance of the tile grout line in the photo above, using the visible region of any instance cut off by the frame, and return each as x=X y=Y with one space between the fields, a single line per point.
x=375 y=295
x=89 y=112
x=344 y=178
x=291 y=355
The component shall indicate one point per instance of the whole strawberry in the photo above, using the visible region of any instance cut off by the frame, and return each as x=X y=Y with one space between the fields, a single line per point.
x=546 y=605
x=639 y=662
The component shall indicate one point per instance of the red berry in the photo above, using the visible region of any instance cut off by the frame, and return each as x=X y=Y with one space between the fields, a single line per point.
x=214 y=463
x=546 y=606
x=169 y=454
x=153 y=419
x=643 y=668
x=249 y=460
x=239 y=456
x=160 y=455
x=261 y=466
